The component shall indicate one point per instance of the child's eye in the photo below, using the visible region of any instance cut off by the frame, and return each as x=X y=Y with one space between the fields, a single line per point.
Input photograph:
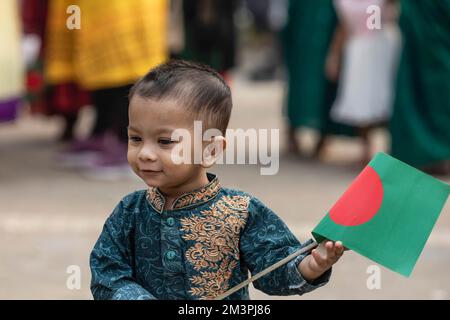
x=134 y=139
x=165 y=141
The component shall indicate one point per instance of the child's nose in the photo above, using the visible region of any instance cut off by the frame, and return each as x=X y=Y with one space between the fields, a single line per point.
x=147 y=153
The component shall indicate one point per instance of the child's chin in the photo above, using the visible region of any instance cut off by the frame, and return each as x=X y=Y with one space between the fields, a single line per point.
x=152 y=182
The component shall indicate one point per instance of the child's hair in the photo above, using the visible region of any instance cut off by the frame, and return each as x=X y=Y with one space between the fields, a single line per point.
x=196 y=86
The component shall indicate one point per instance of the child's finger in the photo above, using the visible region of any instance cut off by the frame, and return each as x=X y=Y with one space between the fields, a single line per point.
x=330 y=249
x=339 y=248
x=320 y=261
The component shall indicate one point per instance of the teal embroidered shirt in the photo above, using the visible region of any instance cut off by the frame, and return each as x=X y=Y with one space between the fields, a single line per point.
x=206 y=244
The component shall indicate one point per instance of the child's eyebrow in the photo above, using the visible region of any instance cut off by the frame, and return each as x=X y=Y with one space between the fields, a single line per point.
x=157 y=131
x=132 y=128
x=165 y=129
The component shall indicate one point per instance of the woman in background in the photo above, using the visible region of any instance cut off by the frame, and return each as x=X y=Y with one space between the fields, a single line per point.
x=60 y=99
x=115 y=45
x=420 y=126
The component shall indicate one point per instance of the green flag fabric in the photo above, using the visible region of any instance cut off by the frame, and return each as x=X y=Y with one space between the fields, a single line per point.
x=387 y=213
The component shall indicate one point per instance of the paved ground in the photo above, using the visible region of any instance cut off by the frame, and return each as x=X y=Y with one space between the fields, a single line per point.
x=50 y=217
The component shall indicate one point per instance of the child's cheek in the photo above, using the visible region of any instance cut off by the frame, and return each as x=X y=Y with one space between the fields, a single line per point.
x=132 y=158
x=166 y=158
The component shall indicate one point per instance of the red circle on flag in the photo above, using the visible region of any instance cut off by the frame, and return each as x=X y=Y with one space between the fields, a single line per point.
x=361 y=201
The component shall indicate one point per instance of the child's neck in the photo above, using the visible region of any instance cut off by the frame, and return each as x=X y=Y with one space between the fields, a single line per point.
x=172 y=193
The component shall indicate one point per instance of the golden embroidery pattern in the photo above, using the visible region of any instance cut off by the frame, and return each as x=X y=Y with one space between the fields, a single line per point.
x=156 y=199
x=215 y=253
x=199 y=196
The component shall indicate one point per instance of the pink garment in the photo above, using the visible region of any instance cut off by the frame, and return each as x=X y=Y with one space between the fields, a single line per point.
x=354 y=13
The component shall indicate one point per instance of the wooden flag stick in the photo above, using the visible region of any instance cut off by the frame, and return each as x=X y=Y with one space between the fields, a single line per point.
x=267 y=270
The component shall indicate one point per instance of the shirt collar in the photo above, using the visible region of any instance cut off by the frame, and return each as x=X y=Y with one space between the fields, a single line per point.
x=187 y=200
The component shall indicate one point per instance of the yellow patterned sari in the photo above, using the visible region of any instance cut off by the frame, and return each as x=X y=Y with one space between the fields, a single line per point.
x=118 y=41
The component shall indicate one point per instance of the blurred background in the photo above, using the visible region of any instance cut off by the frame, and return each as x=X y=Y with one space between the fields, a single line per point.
x=341 y=79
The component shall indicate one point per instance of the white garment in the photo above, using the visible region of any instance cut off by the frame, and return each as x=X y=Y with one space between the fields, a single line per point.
x=366 y=85
x=369 y=67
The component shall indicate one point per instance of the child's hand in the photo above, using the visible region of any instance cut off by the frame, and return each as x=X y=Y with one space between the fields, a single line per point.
x=320 y=260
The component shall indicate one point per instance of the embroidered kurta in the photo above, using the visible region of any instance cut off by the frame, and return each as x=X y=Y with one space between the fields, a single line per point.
x=204 y=245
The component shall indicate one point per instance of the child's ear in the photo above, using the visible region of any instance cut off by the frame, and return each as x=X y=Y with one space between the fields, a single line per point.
x=213 y=151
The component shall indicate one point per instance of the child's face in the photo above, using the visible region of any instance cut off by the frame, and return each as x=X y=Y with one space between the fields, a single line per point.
x=150 y=145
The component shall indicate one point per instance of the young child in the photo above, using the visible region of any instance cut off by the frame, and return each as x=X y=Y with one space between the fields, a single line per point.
x=369 y=59
x=187 y=237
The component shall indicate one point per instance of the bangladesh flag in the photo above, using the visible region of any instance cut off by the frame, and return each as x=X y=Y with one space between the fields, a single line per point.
x=387 y=213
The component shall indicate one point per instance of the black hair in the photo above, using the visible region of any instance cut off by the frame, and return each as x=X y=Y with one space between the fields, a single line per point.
x=199 y=88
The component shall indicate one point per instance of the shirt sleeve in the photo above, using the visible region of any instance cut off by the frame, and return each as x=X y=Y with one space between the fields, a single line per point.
x=111 y=261
x=266 y=240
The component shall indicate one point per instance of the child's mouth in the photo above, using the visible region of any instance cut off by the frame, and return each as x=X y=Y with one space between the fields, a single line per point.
x=150 y=172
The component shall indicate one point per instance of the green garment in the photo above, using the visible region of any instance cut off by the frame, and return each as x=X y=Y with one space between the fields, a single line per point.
x=205 y=244
x=420 y=125
x=306 y=39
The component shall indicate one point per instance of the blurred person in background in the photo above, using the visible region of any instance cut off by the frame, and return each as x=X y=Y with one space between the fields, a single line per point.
x=420 y=127
x=209 y=33
x=11 y=61
x=369 y=63
x=114 y=46
x=269 y=18
x=61 y=99
x=306 y=39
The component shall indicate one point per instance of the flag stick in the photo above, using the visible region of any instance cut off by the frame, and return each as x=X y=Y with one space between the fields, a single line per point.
x=267 y=270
